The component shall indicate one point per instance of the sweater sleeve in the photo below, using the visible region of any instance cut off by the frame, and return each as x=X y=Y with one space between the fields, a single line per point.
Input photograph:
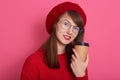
x=83 y=78
x=29 y=71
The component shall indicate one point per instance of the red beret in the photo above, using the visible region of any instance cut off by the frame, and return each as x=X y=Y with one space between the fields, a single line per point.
x=60 y=9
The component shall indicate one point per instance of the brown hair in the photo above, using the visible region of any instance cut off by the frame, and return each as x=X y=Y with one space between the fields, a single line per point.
x=50 y=46
x=79 y=21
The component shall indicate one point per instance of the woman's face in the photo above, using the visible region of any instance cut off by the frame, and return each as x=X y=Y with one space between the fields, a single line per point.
x=66 y=30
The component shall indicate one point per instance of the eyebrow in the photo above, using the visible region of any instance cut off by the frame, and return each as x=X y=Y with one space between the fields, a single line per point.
x=68 y=21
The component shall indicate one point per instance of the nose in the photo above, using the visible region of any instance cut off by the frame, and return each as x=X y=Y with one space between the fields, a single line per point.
x=70 y=30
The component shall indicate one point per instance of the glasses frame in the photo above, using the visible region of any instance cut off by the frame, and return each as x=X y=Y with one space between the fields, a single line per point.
x=62 y=23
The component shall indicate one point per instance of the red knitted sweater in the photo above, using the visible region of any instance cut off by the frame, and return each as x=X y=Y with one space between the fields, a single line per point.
x=34 y=68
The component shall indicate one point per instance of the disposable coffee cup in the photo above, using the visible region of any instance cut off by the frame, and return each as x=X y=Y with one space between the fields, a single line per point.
x=82 y=49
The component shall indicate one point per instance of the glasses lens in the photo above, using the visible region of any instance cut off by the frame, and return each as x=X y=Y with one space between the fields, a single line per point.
x=76 y=29
x=65 y=24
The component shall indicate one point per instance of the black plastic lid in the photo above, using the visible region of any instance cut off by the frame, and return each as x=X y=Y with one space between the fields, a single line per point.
x=82 y=43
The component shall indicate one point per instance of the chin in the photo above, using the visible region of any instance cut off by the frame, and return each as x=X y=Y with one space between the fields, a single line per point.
x=66 y=43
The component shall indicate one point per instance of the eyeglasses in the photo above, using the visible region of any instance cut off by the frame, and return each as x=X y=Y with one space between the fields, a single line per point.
x=65 y=24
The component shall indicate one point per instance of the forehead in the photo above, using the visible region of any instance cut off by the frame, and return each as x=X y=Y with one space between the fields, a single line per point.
x=65 y=16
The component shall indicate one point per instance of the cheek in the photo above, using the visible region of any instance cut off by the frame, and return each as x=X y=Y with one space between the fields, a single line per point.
x=73 y=37
x=59 y=31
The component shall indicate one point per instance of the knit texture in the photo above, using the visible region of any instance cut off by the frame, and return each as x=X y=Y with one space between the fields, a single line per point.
x=34 y=68
x=60 y=9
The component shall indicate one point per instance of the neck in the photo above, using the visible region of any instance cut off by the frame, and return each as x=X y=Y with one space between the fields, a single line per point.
x=61 y=48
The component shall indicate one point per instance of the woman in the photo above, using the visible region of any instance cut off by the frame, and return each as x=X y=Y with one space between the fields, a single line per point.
x=57 y=59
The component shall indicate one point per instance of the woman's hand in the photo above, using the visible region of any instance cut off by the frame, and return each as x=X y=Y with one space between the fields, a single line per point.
x=78 y=67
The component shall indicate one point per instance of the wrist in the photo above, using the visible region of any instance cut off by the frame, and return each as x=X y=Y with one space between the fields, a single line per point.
x=81 y=75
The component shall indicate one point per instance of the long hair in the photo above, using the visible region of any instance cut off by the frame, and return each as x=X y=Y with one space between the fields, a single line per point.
x=50 y=49
x=80 y=37
x=50 y=46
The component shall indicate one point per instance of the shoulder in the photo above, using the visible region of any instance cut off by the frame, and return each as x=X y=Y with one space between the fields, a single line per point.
x=32 y=65
x=35 y=57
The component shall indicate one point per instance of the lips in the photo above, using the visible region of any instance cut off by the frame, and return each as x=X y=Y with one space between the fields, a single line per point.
x=67 y=37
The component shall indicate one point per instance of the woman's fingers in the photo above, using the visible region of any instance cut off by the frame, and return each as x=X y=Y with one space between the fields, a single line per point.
x=78 y=67
x=73 y=57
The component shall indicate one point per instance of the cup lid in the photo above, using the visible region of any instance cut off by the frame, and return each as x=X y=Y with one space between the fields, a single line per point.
x=82 y=43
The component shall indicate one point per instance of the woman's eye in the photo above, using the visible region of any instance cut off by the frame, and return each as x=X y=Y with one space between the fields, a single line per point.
x=76 y=28
x=66 y=24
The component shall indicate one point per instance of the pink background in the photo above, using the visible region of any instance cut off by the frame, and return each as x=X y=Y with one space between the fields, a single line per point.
x=22 y=31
